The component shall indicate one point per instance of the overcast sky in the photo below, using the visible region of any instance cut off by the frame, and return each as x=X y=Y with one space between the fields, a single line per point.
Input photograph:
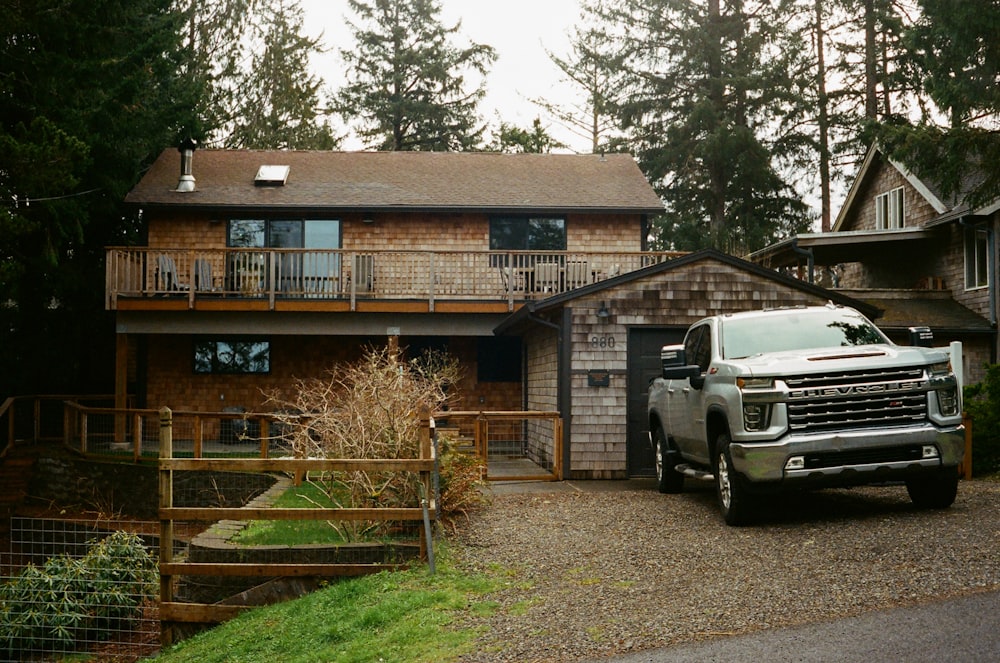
x=520 y=31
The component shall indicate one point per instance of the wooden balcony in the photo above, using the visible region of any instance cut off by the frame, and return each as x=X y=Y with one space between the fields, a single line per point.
x=331 y=280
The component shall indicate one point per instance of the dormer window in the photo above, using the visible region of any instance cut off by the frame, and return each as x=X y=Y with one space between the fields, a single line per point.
x=889 y=210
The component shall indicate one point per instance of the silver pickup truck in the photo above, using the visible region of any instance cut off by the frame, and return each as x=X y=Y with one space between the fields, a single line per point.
x=775 y=400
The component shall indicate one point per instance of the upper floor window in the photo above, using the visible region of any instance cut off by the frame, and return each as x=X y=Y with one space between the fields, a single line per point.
x=232 y=356
x=889 y=210
x=511 y=233
x=977 y=253
x=284 y=234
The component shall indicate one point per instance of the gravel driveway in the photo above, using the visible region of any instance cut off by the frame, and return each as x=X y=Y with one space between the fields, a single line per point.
x=591 y=572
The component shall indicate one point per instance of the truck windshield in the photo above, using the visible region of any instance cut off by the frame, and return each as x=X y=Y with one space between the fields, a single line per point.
x=796 y=330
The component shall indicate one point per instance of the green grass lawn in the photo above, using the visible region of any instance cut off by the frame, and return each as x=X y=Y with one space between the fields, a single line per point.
x=292 y=532
x=390 y=616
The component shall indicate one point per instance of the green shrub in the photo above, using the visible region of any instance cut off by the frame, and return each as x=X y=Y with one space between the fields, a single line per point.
x=461 y=482
x=982 y=403
x=54 y=607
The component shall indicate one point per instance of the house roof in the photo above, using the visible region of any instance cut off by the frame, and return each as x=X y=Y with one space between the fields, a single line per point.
x=405 y=181
x=844 y=246
x=840 y=246
x=528 y=311
x=903 y=309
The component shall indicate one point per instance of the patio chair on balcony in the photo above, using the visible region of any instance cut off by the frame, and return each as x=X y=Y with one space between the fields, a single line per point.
x=547 y=276
x=203 y=279
x=167 y=276
x=364 y=273
x=577 y=273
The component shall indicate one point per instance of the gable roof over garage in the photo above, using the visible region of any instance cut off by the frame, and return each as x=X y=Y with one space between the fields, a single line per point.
x=696 y=285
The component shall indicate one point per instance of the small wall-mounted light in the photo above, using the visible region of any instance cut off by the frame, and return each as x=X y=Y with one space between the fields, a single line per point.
x=603 y=313
x=367 y=218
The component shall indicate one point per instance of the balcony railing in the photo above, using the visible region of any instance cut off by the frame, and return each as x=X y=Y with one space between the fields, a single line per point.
x=342 y=275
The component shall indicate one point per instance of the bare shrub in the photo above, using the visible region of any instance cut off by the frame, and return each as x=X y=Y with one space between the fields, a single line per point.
x=368 y=410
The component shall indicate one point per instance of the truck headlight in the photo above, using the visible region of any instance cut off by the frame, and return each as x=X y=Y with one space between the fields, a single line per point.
x=755 y=383
x=756 y=416
x=940 y=368
x=947 y=402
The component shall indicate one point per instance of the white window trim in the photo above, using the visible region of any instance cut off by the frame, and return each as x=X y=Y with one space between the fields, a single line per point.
x=971 y=250
x=889 y=210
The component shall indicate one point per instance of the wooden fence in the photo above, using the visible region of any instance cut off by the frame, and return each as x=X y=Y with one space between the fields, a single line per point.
x=173 y=613
x=531 y=436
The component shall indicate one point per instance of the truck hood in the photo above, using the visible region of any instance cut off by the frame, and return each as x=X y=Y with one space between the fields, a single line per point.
x=824 y=360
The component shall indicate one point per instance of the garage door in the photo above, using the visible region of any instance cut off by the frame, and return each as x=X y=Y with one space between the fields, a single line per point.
x=643 y=365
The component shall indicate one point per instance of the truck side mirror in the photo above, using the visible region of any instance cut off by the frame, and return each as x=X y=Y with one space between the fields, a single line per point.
x=672 y=356
x=921 y=337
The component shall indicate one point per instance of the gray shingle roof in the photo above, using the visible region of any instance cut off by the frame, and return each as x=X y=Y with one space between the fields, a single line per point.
x=404 y=181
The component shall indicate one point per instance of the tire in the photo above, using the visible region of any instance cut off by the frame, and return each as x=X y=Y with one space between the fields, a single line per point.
x=734 y=498
x=936 y=491
x=668 y=480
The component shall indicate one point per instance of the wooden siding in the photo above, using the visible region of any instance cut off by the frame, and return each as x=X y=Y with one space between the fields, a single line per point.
x=940 y=266
x=172 y=381
x=412 y=232
x=676 y=298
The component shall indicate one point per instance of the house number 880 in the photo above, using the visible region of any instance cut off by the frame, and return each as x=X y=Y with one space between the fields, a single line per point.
x=602 y=342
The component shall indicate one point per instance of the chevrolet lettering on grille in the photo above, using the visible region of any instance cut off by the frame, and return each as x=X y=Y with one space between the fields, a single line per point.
x=850 y=390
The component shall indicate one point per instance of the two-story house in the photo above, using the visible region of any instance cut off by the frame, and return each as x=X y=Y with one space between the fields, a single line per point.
x=260 y=267
x=902 y=246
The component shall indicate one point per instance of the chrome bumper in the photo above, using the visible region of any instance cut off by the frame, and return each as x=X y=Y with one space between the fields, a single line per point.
x=765 y=461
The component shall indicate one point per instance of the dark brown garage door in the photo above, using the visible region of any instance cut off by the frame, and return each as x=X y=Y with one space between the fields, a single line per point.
x=643 y=365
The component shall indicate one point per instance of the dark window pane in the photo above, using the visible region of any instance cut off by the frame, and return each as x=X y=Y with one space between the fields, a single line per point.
x=546 y=235
x=232 y=356
x=247 y=233
x=285 y=235
x=525 y=234
x=499 y=359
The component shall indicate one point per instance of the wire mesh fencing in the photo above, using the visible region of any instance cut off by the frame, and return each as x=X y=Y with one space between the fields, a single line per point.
x=78 y=588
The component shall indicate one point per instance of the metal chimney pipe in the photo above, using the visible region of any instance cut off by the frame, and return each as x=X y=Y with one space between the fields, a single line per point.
x=186 y=148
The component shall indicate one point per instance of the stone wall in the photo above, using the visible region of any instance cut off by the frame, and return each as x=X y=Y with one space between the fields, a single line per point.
x=132 y=490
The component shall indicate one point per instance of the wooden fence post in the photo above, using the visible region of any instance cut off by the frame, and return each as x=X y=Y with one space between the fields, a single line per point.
x=166 y=526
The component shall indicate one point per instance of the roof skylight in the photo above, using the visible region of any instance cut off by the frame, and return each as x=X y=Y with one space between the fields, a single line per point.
x=269 y=175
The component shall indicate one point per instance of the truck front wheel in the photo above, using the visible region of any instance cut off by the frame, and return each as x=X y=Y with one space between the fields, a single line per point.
x=668 y=479
x=936 y=491
x=734 y=500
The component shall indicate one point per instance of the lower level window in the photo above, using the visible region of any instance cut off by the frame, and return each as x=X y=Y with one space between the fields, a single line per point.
x=232 y=356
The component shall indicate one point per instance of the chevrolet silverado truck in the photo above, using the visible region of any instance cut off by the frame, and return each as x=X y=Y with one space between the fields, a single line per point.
x=782 y=399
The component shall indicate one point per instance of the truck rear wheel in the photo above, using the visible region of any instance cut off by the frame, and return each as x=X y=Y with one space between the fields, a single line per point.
x=668 y=479
x=734 y=499
x=936 y=491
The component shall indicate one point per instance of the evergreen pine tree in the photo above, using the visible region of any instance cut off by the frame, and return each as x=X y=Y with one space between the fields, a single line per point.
x=406 y=85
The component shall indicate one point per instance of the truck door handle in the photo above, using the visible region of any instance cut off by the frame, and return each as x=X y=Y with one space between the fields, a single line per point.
x=686 y=390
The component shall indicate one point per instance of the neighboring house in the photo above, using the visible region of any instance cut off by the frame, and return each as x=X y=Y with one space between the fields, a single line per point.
x=921 y=258
x=262 y=267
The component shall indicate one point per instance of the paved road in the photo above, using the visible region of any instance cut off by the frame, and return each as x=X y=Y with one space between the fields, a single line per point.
x=963 y=630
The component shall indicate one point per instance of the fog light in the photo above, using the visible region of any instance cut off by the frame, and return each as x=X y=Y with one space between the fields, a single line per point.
x=796 y=463
x=929 y=451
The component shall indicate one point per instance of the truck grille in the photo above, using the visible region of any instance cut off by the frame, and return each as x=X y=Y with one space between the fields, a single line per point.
x=857 y=399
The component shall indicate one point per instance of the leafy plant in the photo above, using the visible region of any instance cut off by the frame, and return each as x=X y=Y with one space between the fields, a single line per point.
x=54 y=607
x=982 y=403
x=461 y=480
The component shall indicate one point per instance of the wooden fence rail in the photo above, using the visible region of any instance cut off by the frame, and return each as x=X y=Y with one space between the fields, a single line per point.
x=174 y=613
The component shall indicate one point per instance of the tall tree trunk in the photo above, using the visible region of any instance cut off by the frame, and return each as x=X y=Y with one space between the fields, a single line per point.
x=717 y=175
x=871 y=59
x=823 y=120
